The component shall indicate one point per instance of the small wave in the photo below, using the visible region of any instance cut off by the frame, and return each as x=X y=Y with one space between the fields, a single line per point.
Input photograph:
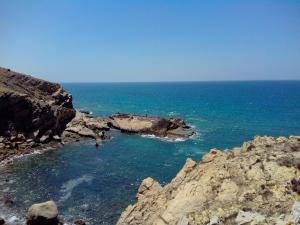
x=11 y=219
x=172 y=113
x=152 y=136
x=67 y=187
x=35 y=152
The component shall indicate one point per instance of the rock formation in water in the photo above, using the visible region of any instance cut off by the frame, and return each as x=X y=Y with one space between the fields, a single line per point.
x=35 y=114
x=32 y=111
x=161 y=127
x=86 y=126
x=45 y=213
x=258 y=183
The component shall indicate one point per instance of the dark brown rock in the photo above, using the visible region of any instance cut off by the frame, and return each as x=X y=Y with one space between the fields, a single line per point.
x=32 y=109
x=79 y=222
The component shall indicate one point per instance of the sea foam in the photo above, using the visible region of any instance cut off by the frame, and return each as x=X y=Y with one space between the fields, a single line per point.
x=68 y=187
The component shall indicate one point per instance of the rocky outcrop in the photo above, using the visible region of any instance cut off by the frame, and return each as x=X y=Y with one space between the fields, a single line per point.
x=161 y=127
x=36 y=114
x=257 y=183
x=86 y=126
x=32 y=111
x=45 y=213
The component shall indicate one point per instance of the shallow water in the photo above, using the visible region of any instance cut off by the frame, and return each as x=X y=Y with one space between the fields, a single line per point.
x=96 y=184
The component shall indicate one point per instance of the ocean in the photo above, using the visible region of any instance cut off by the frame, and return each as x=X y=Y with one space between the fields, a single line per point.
x=96 y=184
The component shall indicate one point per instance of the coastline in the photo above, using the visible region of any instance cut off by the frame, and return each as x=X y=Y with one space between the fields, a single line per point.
x=54 y=121
x=234 y=179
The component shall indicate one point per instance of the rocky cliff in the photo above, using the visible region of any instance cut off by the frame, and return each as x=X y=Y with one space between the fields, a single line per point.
x=32 y=111
x=258 y=183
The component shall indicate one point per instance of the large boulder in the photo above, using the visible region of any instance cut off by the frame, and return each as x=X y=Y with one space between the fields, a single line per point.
x=45 y=213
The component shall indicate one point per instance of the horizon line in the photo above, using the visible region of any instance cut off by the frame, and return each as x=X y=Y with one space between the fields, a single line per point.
x=193 y=81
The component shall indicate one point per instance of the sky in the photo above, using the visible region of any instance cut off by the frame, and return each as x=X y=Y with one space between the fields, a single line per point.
x=141 y=41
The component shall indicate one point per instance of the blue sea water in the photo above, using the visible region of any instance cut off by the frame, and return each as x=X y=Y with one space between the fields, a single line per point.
x=96 y=184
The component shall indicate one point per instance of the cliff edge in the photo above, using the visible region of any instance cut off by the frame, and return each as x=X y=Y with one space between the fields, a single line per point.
x=32 y=111
x=258 y=183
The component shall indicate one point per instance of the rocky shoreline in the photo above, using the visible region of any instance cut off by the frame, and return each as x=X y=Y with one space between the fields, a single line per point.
x=257 y=183
x=37 y=114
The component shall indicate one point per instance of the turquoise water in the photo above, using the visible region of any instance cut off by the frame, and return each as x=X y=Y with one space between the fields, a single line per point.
x=96 y=184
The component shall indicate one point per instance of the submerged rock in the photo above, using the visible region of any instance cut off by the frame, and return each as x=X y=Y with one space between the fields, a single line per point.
x=45 y=213
x=79 y=222
x=247 y=185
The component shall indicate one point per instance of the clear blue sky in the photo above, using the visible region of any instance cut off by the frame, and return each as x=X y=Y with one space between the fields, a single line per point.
x=171 y=40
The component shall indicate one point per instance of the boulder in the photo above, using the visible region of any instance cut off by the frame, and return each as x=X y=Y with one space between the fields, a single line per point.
x=45 y=213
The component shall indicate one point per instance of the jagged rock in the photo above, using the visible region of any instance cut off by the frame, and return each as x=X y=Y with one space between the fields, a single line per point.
x=171 y=128
x=92 y=127
x=211 y=155
x=30 y=108
x=45 y=213
x=2 y=221
x=147 y=187
x=245 y=184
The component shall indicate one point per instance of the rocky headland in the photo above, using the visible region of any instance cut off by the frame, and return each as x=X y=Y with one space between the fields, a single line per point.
x=257 y=183
x=33 y=113
x=37 y=114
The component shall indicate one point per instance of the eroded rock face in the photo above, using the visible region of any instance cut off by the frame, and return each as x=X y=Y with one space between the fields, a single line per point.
x=253 y=184
x=32 y=111
x=87 y=126
x=45 y=213
x=161 y=127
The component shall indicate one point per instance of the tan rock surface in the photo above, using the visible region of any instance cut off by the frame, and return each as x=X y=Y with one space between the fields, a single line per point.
x=48 y=210
x=255 y=184
x=161 y=127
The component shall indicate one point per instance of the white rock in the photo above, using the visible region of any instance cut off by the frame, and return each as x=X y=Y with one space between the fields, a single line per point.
x=214 y=220
x=247 y=217
x=183 y=221
x=295 y=215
